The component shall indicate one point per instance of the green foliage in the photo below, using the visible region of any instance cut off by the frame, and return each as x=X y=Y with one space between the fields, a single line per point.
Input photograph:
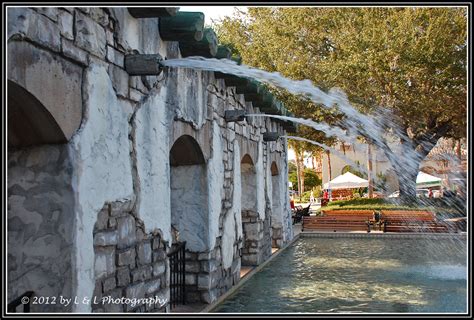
x=352 y=170
x=311 y=179
x=412 y=61
x=306 y=196
x=318 y=191
x=371 y=204
x=293 y=178
x=291 y=167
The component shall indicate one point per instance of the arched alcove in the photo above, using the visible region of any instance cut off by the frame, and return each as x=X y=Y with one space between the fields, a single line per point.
x=40 y=202
x=189 y=206
x=29 y=122
x=250 y=225
x=277 y=208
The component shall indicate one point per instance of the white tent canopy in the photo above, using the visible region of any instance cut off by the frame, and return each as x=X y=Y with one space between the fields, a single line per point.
x=424 y=180
x=346 y=181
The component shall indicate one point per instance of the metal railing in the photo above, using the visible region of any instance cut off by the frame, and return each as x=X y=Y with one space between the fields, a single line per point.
x=24 y=299
x=177 y=274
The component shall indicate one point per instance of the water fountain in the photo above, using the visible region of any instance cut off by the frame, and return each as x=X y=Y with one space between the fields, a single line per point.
x=373 y=127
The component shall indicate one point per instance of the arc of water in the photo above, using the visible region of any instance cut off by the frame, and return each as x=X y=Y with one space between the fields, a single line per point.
x=355 y=122
x=328 y=130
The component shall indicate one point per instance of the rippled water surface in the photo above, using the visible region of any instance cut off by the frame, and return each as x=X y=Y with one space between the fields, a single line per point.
x=360 y=276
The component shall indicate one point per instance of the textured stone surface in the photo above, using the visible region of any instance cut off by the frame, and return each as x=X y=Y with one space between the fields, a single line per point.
x=159 y=268
x=35 y=26
x=90 y=35
x=41 y=73
x=144 y=253
x=105 y=238
x=126 y=257
x=66 y=24
x=115 y=56
x=104 y=262
x=119 y=79
x=123 y=276
x=142 y=273
x=126 y=231
x=121 y=154
x=40 y=232
x=73 y=52
x=109 y=284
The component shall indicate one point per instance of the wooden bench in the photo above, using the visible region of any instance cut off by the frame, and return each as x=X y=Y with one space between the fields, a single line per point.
x=348 y=212
x=411 y=221
x=336 y=223
x=386 y=214
x=419 y=227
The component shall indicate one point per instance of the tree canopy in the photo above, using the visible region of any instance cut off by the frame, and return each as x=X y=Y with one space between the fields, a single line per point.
x=411 y=61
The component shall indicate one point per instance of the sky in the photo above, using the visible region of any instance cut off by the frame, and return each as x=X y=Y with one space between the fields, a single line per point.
x=212 y=12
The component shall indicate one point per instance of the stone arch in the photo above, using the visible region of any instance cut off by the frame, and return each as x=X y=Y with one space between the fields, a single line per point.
x=249 y=183
x=48 y=84
x=189 y=208
x=40 y=197
x=29 y=122
x=274 y=169
x=277 y=206
x=247 y=160
x=250 y=224
x=186 y=152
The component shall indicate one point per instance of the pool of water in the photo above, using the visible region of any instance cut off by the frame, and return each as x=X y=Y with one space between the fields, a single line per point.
x=326 y=275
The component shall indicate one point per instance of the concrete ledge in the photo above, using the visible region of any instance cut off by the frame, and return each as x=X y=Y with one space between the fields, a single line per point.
x=397 y=235
x=249 y=275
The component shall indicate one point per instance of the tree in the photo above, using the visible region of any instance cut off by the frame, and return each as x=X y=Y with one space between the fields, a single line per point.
x=328 y=154
x=310 y=177
x=412 y=61
x=354 y=171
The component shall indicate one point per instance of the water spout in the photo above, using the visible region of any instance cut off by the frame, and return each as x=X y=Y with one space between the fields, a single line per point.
x=271 y=136
x=143 y=64
x=234 y=115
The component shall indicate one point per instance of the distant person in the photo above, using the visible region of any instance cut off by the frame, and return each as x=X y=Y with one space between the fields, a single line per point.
x=376 y=216
x=325 y=195
x=311 y=198
x=430 y=193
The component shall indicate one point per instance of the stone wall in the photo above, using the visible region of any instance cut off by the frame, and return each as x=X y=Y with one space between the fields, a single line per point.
x=129 y=263
x=40 y=224
x=119 y=155
x=189 y=213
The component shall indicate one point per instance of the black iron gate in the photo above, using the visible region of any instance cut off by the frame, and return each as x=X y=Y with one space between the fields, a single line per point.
x=177 y=273
x=24 y=299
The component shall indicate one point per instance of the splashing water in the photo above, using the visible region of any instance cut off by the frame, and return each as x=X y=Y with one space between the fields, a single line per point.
x=356 y=123
x=328 y=130
x=374 y=126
